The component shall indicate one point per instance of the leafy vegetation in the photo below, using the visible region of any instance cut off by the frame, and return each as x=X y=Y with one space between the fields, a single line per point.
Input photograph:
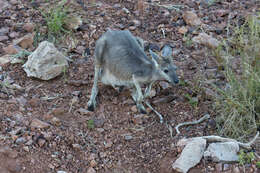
x=90 y=124
x=245 y=158
x=238 y=104
x=55 y=20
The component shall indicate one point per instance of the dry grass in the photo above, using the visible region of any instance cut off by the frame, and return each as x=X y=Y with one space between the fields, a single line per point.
x=238 y=104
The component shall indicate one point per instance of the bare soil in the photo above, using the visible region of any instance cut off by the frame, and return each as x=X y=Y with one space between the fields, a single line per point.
x=114 y=138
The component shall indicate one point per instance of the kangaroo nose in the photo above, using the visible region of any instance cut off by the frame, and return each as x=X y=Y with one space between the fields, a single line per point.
x=176 y=81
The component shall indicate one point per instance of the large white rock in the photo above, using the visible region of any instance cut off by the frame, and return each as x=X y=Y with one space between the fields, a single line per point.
x=222 y=152
x=190 y=156
x=46 y=62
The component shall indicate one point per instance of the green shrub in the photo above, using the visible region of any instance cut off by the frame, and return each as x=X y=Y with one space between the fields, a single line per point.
x=55 y=19
x=238 y=104
x=245 y=158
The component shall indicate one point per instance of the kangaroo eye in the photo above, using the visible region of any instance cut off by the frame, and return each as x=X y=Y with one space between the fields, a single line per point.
x=166 y=71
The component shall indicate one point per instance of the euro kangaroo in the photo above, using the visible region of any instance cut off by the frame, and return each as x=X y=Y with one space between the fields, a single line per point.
x=120 y=60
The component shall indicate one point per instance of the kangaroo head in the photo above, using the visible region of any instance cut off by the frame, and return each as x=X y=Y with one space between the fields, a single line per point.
x=165 y=66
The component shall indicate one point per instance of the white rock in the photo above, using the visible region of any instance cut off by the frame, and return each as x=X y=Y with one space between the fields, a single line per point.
x=222 y=152
x=46 y=62
x=190 y=156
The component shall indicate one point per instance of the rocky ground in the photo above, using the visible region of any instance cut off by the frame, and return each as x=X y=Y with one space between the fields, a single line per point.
x=45 y=126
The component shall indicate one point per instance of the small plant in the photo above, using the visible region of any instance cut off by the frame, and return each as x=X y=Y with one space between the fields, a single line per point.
x=22 y=54
x=91 y=124
x=245 y=158
x=192 y=101
x=55 y=20
x=183 y=83
x=258 y=164
x=187 y=40
x=64 y=71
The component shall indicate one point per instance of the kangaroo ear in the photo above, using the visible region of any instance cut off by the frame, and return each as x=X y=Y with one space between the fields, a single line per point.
x=166 y=51
x=154 y=55
x=155 y=58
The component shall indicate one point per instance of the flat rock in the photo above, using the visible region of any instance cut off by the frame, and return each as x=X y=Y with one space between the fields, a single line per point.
x=36 y=123
x=11 y=49
x=13 y=34
x=25 y=42
x=206 y=40
x=46 y=62
x=3 y=38
x=222 y=152
x=191 y=18
x=4 y=30
x=190 y=156
x=5 y=59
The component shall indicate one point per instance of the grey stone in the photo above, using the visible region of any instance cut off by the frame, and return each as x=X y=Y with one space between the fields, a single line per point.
x=20 y=140
x=222 y=152
x=46 y=62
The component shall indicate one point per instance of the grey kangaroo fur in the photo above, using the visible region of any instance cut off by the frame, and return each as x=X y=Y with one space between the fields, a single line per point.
x=120 y=60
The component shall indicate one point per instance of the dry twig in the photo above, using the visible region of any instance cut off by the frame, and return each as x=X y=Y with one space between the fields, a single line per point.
x=247 y=145
x=207 y=116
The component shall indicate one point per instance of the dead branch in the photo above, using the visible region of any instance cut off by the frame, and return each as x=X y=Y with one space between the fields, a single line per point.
x=221 y=139
x=157 y=113
x=207 y=116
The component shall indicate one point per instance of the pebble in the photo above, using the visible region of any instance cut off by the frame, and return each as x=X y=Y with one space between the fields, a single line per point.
x=61 y=172
x=134 y=108
x=36 y=123
x=4 y=31
x=226 y=167
x=236 y=170
x=3 y=38
x=13 y=34
x=128 y=137
x=20 y=140
x=41 y=142
x=108 y=144
x=69 y=156
x=218 y=167
x=183 y=30
x=76 y=146
x=93 y=163
x=26 y=148
x=99 y=122
x=164 y=85
x=55 y=121
x=138 y=119
x=29 y=27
